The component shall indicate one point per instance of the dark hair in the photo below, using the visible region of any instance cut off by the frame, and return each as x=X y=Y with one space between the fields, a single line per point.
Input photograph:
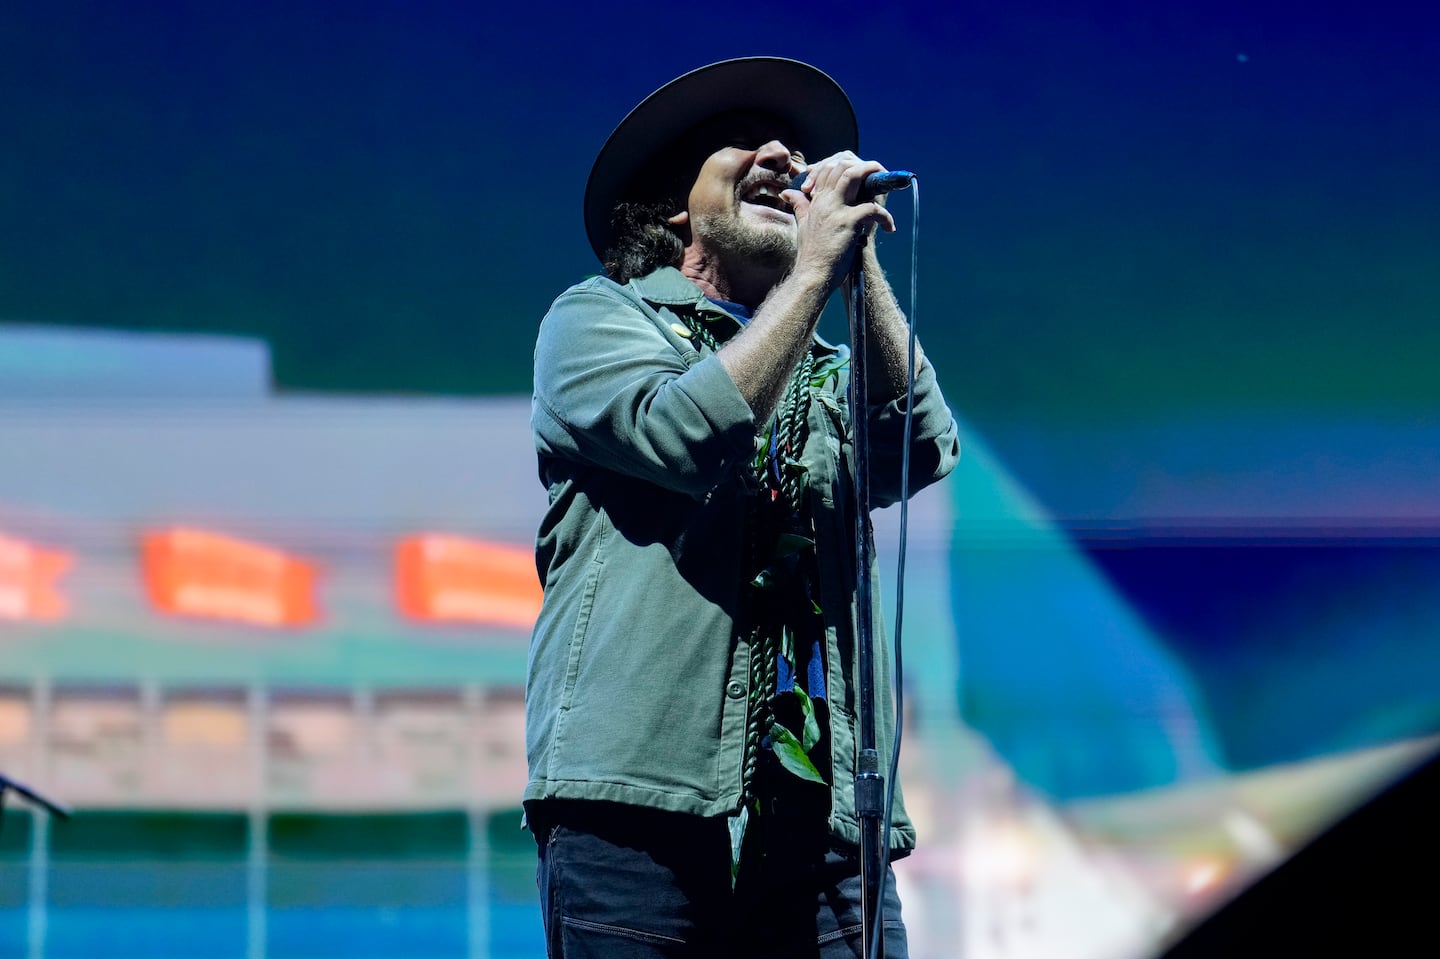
x=643 y=239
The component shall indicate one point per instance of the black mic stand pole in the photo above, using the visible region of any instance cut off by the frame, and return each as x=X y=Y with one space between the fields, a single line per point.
x=869 y=782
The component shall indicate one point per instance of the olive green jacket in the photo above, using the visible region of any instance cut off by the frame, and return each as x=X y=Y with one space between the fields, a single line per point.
x=638 y=681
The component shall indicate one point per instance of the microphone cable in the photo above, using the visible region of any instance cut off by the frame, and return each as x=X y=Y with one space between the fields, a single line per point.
x=893 y=776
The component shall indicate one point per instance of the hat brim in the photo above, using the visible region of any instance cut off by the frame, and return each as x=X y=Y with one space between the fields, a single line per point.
x=813 y=109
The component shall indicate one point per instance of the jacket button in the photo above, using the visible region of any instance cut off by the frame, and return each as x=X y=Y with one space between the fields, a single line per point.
x=735 y=689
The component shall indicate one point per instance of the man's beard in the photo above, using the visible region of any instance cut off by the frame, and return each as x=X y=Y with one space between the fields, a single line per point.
x=737 y=243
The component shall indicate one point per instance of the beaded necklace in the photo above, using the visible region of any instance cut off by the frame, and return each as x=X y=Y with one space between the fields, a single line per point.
x=775 y=512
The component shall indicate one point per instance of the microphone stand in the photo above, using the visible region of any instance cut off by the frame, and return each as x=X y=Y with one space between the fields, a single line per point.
x=869 y=782
x=25 y=792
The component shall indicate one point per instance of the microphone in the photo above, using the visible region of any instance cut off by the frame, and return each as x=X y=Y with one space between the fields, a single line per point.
x=873 y=185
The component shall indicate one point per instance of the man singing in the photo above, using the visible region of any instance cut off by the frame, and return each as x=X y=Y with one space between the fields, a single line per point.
x=690 y=706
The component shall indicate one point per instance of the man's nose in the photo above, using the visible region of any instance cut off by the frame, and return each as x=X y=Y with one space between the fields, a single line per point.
x=773 y=156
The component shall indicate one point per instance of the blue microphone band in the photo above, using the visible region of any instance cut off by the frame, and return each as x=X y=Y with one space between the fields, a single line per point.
x=874 y=185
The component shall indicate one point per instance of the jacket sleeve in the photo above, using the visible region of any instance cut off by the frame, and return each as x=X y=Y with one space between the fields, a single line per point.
x=613 y=388
x=934 y=440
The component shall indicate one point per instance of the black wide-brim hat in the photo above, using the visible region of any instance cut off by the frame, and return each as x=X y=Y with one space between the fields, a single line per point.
x=808 y=105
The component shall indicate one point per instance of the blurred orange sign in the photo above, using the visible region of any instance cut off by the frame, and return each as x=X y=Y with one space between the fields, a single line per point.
x=191 y=572
x=452 y=579
x=28 y=575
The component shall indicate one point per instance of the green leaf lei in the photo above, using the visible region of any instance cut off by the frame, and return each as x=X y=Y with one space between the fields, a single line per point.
x=780 y=476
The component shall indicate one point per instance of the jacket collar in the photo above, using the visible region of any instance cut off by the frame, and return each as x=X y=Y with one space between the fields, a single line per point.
x=667 y=286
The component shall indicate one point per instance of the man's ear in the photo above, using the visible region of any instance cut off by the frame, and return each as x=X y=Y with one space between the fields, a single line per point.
x=681 y=223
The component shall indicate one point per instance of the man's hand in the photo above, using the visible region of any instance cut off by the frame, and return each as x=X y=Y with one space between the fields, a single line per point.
x=830 y=225
x=830 y=222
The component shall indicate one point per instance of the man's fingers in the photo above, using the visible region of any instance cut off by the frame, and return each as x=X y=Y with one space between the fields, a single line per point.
x=854 y=178
x=882 y=216
x=843 y=172
x=873 y=215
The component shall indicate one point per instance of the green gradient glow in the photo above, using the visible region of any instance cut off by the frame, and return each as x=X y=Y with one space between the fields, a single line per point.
x=1129 y=211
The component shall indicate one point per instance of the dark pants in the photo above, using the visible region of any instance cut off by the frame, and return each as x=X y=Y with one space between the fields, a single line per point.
x=617 y=881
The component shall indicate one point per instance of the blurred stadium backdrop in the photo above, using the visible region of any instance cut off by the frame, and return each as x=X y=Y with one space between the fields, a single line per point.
x=269 y=280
